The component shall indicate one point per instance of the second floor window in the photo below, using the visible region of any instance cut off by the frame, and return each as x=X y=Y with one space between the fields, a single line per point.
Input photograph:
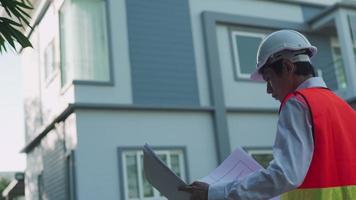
x=245 y=46
x=338 y=64
x=84 y=41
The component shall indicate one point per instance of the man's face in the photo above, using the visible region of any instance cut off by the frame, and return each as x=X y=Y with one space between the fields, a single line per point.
x=278 y=85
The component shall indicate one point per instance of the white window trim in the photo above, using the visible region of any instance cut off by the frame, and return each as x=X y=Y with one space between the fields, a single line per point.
x=49 y=75
x=334 y=43
x=72 y=71
x=259 y=150
x=320 y=72
x=138 y=153
x=234 y=33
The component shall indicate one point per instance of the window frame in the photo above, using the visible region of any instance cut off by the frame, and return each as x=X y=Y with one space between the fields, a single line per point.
x=335 y=43
x=72 y=79
x=49 y=75
x=137 y=151
x=235 y=51
x=259 y=150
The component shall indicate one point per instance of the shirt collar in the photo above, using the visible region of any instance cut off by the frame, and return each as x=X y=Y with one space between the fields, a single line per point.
x=312 y=82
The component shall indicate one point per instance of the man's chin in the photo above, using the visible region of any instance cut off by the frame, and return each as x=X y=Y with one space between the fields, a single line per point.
x=275 y=98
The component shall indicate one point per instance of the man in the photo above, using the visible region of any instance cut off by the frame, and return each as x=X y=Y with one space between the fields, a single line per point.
x=315 y=145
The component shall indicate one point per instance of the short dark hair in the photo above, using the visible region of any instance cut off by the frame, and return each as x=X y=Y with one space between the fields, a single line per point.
x=303 y=68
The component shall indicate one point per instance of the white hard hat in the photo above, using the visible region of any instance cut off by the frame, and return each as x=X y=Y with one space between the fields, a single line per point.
x=288 y=44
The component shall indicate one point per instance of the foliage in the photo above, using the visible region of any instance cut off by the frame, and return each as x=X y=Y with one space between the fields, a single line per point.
x=3 y=184
x=10 y=25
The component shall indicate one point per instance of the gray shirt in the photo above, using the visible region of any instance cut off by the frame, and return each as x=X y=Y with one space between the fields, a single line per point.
x=292 y=151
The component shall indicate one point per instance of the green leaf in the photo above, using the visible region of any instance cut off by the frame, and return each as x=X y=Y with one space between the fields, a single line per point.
x=2 y=44
x=24 y=5
x=4 y=19
x=7 y=35
x=8 y=11
x=17 y=8
x=20 y=38
x=10 y=29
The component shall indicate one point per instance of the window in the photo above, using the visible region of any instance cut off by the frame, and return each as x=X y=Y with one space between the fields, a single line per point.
x=49 y=60
x=352 y=24
x=245 y=46
x=262 y=155
x=135 y=184
x=84 y=41
x=338 y=63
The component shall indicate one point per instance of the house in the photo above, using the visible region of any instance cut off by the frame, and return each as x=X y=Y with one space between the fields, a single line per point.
x=104 y=77
x=16 y=188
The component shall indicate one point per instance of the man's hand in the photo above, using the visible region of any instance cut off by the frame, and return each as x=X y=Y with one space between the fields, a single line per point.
x=199 y=190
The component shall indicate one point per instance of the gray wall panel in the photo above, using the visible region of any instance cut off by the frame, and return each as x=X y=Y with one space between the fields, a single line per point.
x=352 y=22
x=161 y=53
x=310 y=11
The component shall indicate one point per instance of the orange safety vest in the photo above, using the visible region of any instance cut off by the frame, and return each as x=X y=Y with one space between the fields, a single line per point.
x=332 y=171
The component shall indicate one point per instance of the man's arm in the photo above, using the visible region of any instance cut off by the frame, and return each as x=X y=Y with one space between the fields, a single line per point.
x=292 y=151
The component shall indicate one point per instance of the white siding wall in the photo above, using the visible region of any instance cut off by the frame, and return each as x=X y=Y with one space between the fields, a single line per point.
x=101 y=133
x=33 y=170
x=39 y=90
x=252 y=129
x=54 y=98
x=31 y=88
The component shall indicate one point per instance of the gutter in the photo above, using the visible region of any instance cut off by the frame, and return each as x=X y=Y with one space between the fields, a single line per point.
x=61 y=117
x=299 y=2
x=72 y=107
x=336 y=6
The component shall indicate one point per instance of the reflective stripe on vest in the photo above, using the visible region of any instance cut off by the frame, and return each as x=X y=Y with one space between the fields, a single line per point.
x=332 y=171
x=335 y=193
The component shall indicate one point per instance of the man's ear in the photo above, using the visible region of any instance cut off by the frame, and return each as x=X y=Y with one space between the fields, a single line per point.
x=288 y=66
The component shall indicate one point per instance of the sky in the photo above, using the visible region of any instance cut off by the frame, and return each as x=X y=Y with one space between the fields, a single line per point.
x=12 y=137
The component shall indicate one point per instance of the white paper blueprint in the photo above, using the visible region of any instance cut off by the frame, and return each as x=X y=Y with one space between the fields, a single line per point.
x=237 y=165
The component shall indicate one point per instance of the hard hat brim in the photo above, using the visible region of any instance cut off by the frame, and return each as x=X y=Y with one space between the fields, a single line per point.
x=256 y=76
